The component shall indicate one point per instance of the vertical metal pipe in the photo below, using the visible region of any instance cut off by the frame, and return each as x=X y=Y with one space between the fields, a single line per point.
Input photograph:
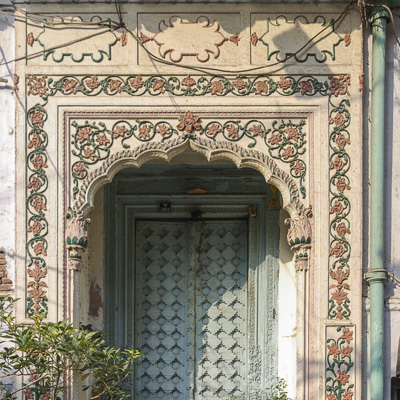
x=377 y=275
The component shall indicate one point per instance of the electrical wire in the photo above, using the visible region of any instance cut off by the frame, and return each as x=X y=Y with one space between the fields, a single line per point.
x=207 y=70
x=384 y=6
x=39 y=53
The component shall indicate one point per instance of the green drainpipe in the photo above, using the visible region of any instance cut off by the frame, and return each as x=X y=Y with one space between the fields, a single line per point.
x=377 y=275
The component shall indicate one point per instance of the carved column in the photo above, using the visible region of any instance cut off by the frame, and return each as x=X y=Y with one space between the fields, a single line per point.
x=299 y=239
x=77 y=241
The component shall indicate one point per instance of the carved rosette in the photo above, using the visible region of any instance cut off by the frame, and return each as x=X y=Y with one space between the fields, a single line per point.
x=76 y=238
x=299 y=239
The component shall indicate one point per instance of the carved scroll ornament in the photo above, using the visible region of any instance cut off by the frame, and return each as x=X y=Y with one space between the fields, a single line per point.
x=76 y=237
x=299 y=238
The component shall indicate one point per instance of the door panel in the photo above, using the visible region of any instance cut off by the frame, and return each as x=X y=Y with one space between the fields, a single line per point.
x=161 y=317
x=221 y=306
x=191 y=305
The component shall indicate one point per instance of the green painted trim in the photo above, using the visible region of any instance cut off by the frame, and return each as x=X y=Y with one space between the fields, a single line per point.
x=325 y=53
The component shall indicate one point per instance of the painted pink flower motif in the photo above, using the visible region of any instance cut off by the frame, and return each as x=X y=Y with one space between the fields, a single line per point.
x=115 y=86
x=143 y=38
x=30 y=39
x=337 y=208
x=254 y=39
x=213 y=130
x=261 y=87
x=45 y=397
x=83 y=134
x=158 y=85
x=287 y=152
x=89 y=153
x=341 y=185
x=337 y=251
x=217 y=87
x=119 y=131
x=343 y=378
x=339 y=119
x=330 y=396
x=298 y=167
x=189 y=122
x=33 y=377
x=339 y=86
x=346 y=351
x=79 y=170
x=306 y=87
x=337 y=164
x=348 y=395
x=347 y=39
x=35 y=184
x=28 y=394
x=284 y=83
x=188 y=82
x=37 y=118
x=234 y=39
x=69 y=86
x=292 y=133
x=347 y=335
x=144 y=132
x=38 y=163
x=339 y=275
x=339 y=296
x=342 y=229
x=163 y=130
x=333 y=350
x=136 y=83
x=39 y=205
x=102 y=140
x=275 y=139
x=35 y=228
x=92 y=83
x=341 y=141
x=35 y=141
x=239 y=83
x=256 y=130
x=123 y=39
x=39 y=248
x=233 y=131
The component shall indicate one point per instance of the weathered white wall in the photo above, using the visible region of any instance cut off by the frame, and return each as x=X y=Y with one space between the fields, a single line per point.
x=7 y=140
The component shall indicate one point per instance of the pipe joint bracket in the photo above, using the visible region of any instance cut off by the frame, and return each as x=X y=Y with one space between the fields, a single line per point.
x=376 y=275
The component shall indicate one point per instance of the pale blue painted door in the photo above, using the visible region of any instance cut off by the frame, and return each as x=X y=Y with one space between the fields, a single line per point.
x=191 y=309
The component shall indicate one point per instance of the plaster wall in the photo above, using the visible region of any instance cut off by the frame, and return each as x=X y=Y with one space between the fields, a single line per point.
x=7 y=141
x=92 y=276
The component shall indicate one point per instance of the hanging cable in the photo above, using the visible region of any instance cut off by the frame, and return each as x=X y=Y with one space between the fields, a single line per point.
x=206 y=70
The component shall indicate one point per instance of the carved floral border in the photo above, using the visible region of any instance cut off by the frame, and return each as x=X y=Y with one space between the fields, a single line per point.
x=156 y=85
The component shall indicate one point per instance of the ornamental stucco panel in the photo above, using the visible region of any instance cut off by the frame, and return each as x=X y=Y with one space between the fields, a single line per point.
x=100 y=98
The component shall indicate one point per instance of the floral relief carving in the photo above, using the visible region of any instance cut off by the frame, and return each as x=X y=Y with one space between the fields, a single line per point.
x=299 y=238
x=36 y=85
x=76 y=237
x=200 y=39
x=157 y=85
x=340 y=249
x=339 y=381
x=30 y=39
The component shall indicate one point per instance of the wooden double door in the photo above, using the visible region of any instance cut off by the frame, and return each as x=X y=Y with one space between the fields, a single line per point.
x=191 y=309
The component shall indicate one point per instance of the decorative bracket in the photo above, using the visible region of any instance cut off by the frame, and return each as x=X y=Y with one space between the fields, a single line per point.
x=76 y=237
x=299 y=238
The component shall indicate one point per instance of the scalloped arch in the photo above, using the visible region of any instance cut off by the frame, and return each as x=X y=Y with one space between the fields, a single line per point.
x=211 y=150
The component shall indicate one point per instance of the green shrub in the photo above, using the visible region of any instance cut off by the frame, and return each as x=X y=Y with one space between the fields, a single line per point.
x=46 y=355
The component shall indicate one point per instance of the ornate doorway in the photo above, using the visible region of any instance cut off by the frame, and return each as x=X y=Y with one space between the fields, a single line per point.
x=195 y=289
